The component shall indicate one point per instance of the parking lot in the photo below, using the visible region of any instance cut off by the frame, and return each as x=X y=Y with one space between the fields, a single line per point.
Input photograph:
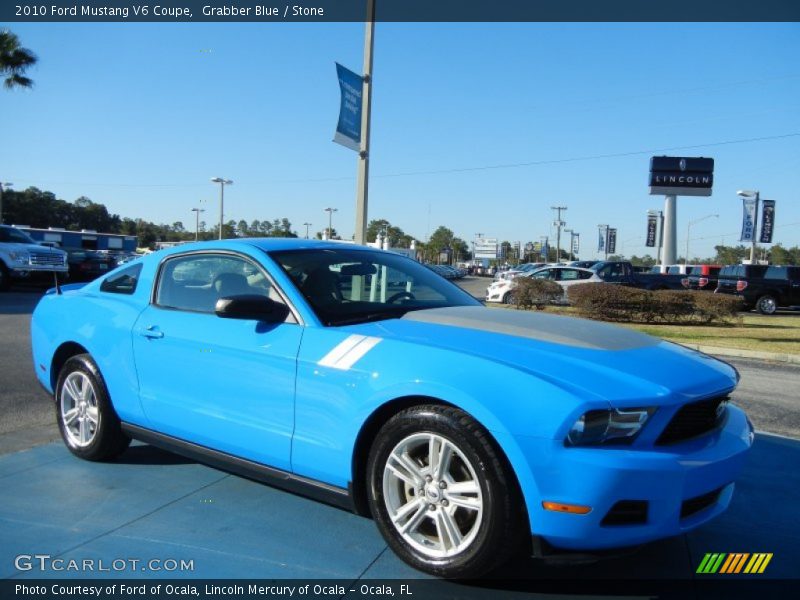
x=151 y=504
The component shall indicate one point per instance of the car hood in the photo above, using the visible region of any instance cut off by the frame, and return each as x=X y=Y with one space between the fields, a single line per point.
x=583 y=356
x=32 y=248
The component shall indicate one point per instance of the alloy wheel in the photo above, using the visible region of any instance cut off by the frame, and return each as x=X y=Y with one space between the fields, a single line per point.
x=432 y=495
x=78 y=409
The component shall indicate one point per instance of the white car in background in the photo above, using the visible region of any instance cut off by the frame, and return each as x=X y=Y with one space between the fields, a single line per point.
x=503 y=290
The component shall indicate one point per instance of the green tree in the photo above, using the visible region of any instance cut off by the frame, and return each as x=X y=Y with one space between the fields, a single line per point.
x=397 y=237
x=731 y=255
x=14 y=61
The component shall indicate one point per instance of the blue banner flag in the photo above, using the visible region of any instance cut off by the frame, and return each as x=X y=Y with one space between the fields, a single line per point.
x=348 y=129
x=748 y=220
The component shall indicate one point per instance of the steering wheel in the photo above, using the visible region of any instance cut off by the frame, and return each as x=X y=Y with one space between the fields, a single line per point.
x=400 y=296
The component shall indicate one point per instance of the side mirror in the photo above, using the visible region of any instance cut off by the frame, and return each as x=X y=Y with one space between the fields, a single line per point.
x=251 y=307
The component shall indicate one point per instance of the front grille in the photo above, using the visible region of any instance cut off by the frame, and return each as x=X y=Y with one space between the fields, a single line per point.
x=626 y=512
x=47 y=259
x=692 y=420
x=698 y=503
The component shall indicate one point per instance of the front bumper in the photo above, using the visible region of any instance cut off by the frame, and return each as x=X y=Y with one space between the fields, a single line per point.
x=669 y=479
x=495 y=295
x=25 y=271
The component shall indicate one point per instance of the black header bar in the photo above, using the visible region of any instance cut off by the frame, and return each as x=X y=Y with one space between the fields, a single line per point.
x=399 y=10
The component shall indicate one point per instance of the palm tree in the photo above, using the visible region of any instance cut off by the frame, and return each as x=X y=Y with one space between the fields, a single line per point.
x=14 y=60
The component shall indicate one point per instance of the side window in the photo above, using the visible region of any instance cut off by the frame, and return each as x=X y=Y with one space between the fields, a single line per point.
x=584 y=274
x=776 y=273
x=195 y=282
x=123 y=282
x=569 y=275
x=545 y=274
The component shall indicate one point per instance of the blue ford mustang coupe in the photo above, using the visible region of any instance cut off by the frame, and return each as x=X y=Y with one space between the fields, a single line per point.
x=363 y=379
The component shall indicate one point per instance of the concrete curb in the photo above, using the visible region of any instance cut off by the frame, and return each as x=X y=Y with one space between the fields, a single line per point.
x=792 y=359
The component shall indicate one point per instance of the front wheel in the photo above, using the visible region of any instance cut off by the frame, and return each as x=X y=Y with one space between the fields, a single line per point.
x=88 y=423
x=767 y=305
x=441 y=495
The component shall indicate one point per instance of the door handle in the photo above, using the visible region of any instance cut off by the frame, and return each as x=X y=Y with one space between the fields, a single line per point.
x=151 y=332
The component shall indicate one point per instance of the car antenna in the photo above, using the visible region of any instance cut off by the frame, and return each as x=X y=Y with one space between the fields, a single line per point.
x=58 y=287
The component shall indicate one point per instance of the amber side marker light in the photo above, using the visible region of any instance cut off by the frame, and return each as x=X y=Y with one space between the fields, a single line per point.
x=575 y=509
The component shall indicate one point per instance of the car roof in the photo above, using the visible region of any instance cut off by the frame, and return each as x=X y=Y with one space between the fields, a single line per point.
x=266 y=244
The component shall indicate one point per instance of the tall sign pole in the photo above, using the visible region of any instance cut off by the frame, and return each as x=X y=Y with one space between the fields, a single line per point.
x=670 y=252
x=362 y=193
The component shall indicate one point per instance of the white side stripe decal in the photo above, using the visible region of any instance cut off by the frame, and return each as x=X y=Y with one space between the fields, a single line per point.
x=348 y=352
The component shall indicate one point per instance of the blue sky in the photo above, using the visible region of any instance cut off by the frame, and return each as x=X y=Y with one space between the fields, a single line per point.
x=140 y=116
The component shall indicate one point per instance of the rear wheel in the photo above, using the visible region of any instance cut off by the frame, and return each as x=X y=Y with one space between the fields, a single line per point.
x=88 y=423
x=767 y=305
x=440 y=494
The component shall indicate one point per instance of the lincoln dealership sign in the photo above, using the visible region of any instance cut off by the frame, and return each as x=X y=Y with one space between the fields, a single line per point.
x=677 y=176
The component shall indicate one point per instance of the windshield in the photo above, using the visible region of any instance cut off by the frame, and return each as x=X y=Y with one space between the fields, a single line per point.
x=357 y=285
x=14 y=236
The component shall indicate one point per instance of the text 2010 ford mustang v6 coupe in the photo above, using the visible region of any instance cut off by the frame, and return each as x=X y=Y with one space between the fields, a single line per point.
x=361 y=378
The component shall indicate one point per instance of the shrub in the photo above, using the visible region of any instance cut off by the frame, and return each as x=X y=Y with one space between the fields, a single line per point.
x=610 y=302
x=531 y=292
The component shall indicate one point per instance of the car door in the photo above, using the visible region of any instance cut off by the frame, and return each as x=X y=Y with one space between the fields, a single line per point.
x=570 y=277
x=227 y=384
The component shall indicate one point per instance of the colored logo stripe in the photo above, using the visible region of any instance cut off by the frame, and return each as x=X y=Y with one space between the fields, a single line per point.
x=722 y=562
x=758 y=563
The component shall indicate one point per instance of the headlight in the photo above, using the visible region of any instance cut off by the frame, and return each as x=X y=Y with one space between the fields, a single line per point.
x=608 y=426
x=20 y=257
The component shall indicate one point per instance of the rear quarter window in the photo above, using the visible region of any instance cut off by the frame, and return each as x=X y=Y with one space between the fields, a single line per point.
x=123 y=282
x=776 y=273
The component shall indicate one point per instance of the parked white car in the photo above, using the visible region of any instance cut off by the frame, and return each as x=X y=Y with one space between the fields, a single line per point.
x=503 y=290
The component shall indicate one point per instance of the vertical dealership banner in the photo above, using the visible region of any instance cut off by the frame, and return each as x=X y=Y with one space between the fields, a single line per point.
x=601 y=238
x=576 y=243
x=544 y=250
x=611 y=242
x=348 y=129
x=652 y=229
x=748 y=220
x=767 y=221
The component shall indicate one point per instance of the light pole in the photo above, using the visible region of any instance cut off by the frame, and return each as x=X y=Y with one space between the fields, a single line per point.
x=307 y=226
x=688 y=233
x=330 y=212
x=222 y=183
x=757 y=195
x=197 y=212
x=362 y=181
x=558 y=224
x=8 y=185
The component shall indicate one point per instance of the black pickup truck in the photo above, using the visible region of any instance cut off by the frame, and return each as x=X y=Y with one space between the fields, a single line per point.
x=623 y=273
x=763 y=287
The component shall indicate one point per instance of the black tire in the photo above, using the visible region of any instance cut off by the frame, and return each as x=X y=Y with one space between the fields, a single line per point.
x=5 y=278
x=104 y=437
x=490 y=537
x=508 y=298
x=767 y=304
